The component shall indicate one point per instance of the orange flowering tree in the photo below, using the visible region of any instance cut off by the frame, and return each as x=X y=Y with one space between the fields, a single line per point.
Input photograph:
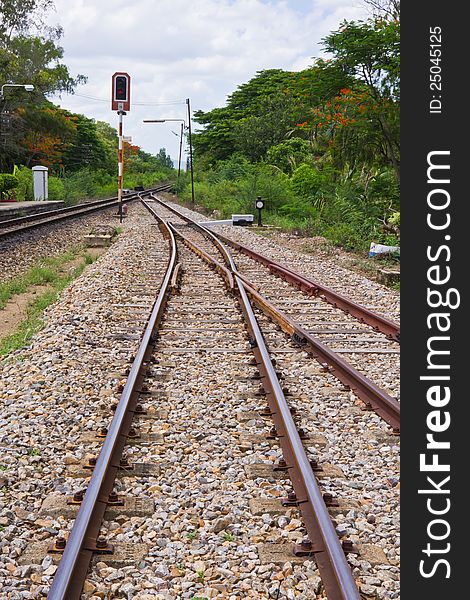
x=47 y=133
x=370 y=52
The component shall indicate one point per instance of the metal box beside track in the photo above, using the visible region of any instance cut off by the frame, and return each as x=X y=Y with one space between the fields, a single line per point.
x=242 y=220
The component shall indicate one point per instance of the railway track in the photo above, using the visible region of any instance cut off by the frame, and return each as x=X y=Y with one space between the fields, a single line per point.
x=19 y=225
x=329 y=326
x=250 y=397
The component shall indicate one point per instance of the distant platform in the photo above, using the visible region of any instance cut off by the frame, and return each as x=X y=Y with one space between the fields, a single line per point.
x=10 y=210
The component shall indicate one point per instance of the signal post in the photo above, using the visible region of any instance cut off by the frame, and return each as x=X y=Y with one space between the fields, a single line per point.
x=121 y=102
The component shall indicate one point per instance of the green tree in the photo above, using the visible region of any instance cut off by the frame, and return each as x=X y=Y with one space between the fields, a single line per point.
x=163 y=159
x=370 y=52
x=29 y=53
x=108 y=137
x=264 y=111
x=288 y=155
x=86 y=149
x=7 y=182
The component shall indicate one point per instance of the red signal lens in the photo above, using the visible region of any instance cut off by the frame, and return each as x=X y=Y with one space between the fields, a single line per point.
x=121 y=88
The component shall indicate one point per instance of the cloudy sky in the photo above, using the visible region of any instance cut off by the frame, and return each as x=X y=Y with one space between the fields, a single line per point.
x=178 y=49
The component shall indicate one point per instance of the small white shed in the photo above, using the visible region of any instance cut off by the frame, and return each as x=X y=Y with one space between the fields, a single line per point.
x=40 y=189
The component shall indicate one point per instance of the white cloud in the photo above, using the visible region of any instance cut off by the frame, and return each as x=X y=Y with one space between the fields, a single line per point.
x=174 y=49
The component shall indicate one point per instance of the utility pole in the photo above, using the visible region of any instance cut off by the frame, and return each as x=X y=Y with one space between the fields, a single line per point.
x=191 y=154
x=181 y=149
x=183 y=126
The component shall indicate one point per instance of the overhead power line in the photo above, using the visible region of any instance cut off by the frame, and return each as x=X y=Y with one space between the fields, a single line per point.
x=169 y=102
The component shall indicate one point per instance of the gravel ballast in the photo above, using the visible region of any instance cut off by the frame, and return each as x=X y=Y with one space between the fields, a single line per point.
x=203 y=538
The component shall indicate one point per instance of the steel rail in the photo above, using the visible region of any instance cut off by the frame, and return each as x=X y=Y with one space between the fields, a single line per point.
x=81 y=544
x=372 y=395
x=363 y=314
x=61 y=214
x=324 y=542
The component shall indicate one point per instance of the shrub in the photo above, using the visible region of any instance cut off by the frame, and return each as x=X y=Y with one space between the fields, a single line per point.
x=24 y=189
x=56 y=188
x=289 y=154
x=7 y=183
x=308 y=181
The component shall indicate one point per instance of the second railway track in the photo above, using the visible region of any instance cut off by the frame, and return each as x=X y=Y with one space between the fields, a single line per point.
x=19 y=225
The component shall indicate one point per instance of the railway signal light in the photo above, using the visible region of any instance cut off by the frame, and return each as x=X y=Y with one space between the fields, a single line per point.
x=121 y=92
x=121 y=88
x=120 y=101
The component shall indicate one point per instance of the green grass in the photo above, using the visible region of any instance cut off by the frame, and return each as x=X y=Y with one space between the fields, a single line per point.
x=44 y=272
x=47 y=273
x=200 y=576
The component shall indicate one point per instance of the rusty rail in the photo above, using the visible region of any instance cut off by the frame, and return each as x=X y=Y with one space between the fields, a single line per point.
x=363 y=314
x=82 y=542
x=313 y=288
x=373 y=396
x=323 y=542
